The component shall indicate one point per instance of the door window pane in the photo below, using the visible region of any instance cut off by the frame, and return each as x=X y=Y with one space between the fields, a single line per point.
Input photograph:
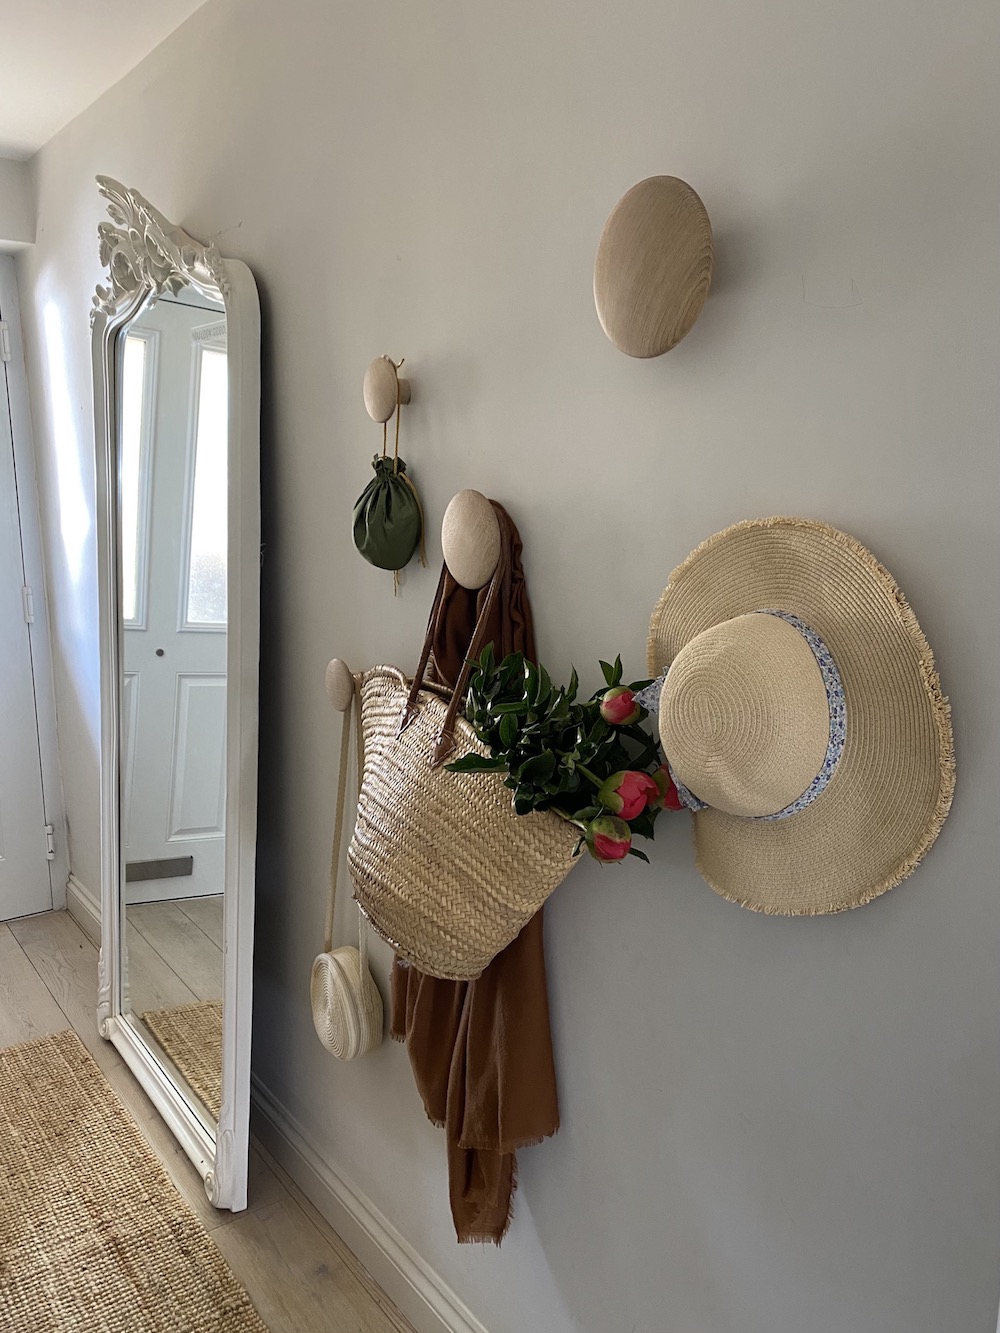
x=206 y=597
x=130 y=472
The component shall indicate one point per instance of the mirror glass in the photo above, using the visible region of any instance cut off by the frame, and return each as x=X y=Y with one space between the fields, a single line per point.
x=172 y=505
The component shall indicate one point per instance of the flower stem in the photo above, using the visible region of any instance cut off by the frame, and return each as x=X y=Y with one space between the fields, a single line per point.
x=570 y=819
x=590 y=776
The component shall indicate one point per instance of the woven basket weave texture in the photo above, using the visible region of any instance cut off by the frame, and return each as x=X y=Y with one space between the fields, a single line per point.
x=443 y=868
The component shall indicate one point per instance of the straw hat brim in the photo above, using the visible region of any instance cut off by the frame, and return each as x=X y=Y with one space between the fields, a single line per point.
x=893 y=786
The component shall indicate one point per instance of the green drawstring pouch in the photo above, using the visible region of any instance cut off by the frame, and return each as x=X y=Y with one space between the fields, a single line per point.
x=388 y=519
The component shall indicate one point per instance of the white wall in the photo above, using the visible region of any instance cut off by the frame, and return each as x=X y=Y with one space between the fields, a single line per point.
x=769 y=1125
x=17 y=207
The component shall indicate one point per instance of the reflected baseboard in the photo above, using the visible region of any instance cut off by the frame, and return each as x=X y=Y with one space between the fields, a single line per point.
x=85 y=908
x=418 y=1292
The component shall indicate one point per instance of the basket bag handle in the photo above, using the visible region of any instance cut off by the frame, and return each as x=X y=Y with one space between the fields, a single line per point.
x=444 y=743
x=338 y=828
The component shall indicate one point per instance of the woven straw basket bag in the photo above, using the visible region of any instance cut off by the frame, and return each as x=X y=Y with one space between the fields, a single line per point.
x=346 y=1004
x=443 y=868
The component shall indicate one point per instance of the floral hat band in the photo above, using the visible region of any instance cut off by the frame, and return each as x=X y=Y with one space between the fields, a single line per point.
x=689 y=714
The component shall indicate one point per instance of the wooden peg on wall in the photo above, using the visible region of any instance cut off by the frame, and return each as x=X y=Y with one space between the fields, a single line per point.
x=339 y=684
x=653 y=266
x=470 y=539
x=383 y=388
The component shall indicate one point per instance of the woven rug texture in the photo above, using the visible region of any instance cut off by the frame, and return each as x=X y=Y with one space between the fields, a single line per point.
x=191 y=1034
x=94 y=1238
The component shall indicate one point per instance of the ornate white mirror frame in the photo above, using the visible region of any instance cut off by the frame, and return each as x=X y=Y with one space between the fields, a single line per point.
x=147 y=257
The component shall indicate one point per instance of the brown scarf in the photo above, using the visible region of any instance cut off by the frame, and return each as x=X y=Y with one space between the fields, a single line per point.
x=481 y=1051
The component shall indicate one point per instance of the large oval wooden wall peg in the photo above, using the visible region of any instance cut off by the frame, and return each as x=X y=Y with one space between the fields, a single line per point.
x=470 y=539
x=653 y=266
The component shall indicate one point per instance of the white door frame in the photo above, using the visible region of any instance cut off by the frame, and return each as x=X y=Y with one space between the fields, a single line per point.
x=31 y=547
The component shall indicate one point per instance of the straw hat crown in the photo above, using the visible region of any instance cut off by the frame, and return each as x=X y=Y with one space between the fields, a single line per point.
x=744 y=715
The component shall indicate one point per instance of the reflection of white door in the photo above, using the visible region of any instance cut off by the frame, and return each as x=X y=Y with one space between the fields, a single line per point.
x=24 y=867
x=173 y=522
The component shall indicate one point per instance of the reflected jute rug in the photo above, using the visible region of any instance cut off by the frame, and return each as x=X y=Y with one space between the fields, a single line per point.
x=94 y=1238
x=191 y=1034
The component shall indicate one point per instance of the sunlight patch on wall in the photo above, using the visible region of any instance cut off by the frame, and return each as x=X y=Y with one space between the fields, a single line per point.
x=74 y=514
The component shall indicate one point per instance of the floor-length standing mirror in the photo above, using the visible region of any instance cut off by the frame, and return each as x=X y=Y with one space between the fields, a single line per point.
x=176 y=339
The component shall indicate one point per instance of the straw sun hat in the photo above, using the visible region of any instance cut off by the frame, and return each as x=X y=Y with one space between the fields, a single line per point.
x=801 y=716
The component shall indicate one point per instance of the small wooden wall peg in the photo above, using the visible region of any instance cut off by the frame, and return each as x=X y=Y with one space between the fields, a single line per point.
x=388 y=516
x=339 y=684
x=653 y=266
x=470 y=539
x=383 y=388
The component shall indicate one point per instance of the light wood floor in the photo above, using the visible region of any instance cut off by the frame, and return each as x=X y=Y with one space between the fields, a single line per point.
x=174 y=952
x=299 y=1273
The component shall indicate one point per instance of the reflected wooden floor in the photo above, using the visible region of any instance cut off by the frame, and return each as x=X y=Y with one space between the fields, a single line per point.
x=174 y=952
x=299 y=1273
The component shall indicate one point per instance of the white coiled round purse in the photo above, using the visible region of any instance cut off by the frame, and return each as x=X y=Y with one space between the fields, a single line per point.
x=346 y=1003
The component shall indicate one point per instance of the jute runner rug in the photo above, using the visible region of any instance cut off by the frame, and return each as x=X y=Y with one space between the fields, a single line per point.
x=191 y=1034
x=94 y=1238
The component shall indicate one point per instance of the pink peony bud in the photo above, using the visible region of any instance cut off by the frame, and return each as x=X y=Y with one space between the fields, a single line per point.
x=618 y=706
x=667 y=790
x=628 y=793
x=608 y=838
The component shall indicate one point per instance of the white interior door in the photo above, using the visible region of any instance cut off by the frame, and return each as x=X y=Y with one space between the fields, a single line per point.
x=24 y=865
x=173 y=519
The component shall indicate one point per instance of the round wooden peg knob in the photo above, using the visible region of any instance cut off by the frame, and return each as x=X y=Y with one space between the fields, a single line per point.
x=383 y=388
x=653 y=266
x=470 y=539
x=339 y=685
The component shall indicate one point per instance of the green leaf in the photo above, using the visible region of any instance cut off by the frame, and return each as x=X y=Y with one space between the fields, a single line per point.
x=530 y=683
x=544 y=687
x=596 y=733
x=511 y=670
x=643 y=823
x=538 y=769
x=476 y=763
x=501 y=710
x=508 y=730
x=612 y=674
x=634 y=851
x=559 y=711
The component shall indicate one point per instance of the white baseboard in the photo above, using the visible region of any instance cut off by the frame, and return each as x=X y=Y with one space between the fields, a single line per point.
x=416 y=1289
x=84 y=908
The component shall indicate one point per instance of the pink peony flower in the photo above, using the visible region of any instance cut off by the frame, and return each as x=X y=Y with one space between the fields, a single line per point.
x=666 y=789
x=618 y=706
x=628 y=793
x=608 y=838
